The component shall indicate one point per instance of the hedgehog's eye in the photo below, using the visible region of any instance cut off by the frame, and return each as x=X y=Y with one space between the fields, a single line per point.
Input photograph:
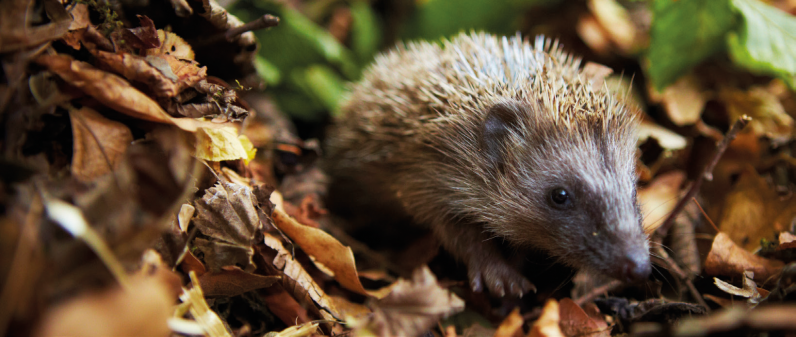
x=560 y=198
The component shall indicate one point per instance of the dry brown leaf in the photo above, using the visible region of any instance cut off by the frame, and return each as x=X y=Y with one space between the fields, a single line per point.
x=145 y=37
x=192 y=264
x=614 y=19
x=282 y=305
x=511 y=325
x=547 y=324
x=593 y=34
x=576 y=322
x=411 y=308
x=350 y=309
x=218 y=254
x=326 y=250
x=658 y=199
x=751 y=210
x=308 y=212
x=285 y=262
x=107 y=88
x=80 y=18
x=164 y=75
x=229 y=212
x=749 y=290
x=114 y=91
x=143 y=310
x=99 y=144
x=18 y=32
x=666 y=138
x=684 y=100
x=769 y=118
x=596 y=73
x=44 y=88
x=232 y=281
x=728 y=259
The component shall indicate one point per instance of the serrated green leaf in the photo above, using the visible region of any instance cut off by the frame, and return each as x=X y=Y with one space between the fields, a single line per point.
x=685 y=33
x=765 y=41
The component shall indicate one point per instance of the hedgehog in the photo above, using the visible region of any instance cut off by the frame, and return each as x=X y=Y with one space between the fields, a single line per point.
x=497 y=145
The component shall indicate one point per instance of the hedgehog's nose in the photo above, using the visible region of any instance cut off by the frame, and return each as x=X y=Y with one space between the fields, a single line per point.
x=635 y=267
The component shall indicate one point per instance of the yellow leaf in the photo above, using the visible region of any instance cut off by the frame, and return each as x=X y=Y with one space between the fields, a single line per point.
x=251 y=151
x=220 y=144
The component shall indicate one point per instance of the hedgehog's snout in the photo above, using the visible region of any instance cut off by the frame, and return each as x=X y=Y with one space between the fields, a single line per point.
x=634 y=266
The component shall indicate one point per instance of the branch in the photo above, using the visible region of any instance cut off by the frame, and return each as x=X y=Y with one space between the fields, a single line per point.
x=707 y=172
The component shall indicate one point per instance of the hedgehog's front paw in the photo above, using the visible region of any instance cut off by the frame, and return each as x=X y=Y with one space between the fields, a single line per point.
x=497 y=276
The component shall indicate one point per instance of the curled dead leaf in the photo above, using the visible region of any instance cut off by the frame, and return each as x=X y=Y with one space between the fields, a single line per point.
x=113 y=91
x=749 y=290
x=164 y=75
x=326 y=250
x=728 y=259
x=576 y=322
x=285 y=262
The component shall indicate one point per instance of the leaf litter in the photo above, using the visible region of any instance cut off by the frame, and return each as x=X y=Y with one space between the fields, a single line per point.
x=141 y=159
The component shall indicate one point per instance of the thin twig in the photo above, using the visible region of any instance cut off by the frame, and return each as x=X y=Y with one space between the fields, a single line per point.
x=684 y=276
x=706 y=216
x=264 y=21
x=707 y=172
x=613 y=285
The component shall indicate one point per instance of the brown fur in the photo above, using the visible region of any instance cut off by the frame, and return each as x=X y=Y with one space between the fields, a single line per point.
x=469 y=136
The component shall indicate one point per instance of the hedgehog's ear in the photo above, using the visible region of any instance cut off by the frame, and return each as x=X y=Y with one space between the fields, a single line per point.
x=501 y=119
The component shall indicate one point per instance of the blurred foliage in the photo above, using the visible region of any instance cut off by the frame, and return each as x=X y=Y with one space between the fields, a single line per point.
x=307 y=65
x=758 y=37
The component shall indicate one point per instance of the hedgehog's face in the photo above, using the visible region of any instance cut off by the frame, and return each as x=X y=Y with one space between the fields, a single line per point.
x=566 y=189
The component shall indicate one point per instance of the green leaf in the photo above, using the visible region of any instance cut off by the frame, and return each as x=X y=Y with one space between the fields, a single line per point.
x=765 y=42
x=267 y=70
x=326 y=86
x=685 y=33
x=365 y=31
x=287 y=53
x=435 y=19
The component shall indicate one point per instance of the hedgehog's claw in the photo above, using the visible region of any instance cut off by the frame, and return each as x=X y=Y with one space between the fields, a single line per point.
x=499 y=278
